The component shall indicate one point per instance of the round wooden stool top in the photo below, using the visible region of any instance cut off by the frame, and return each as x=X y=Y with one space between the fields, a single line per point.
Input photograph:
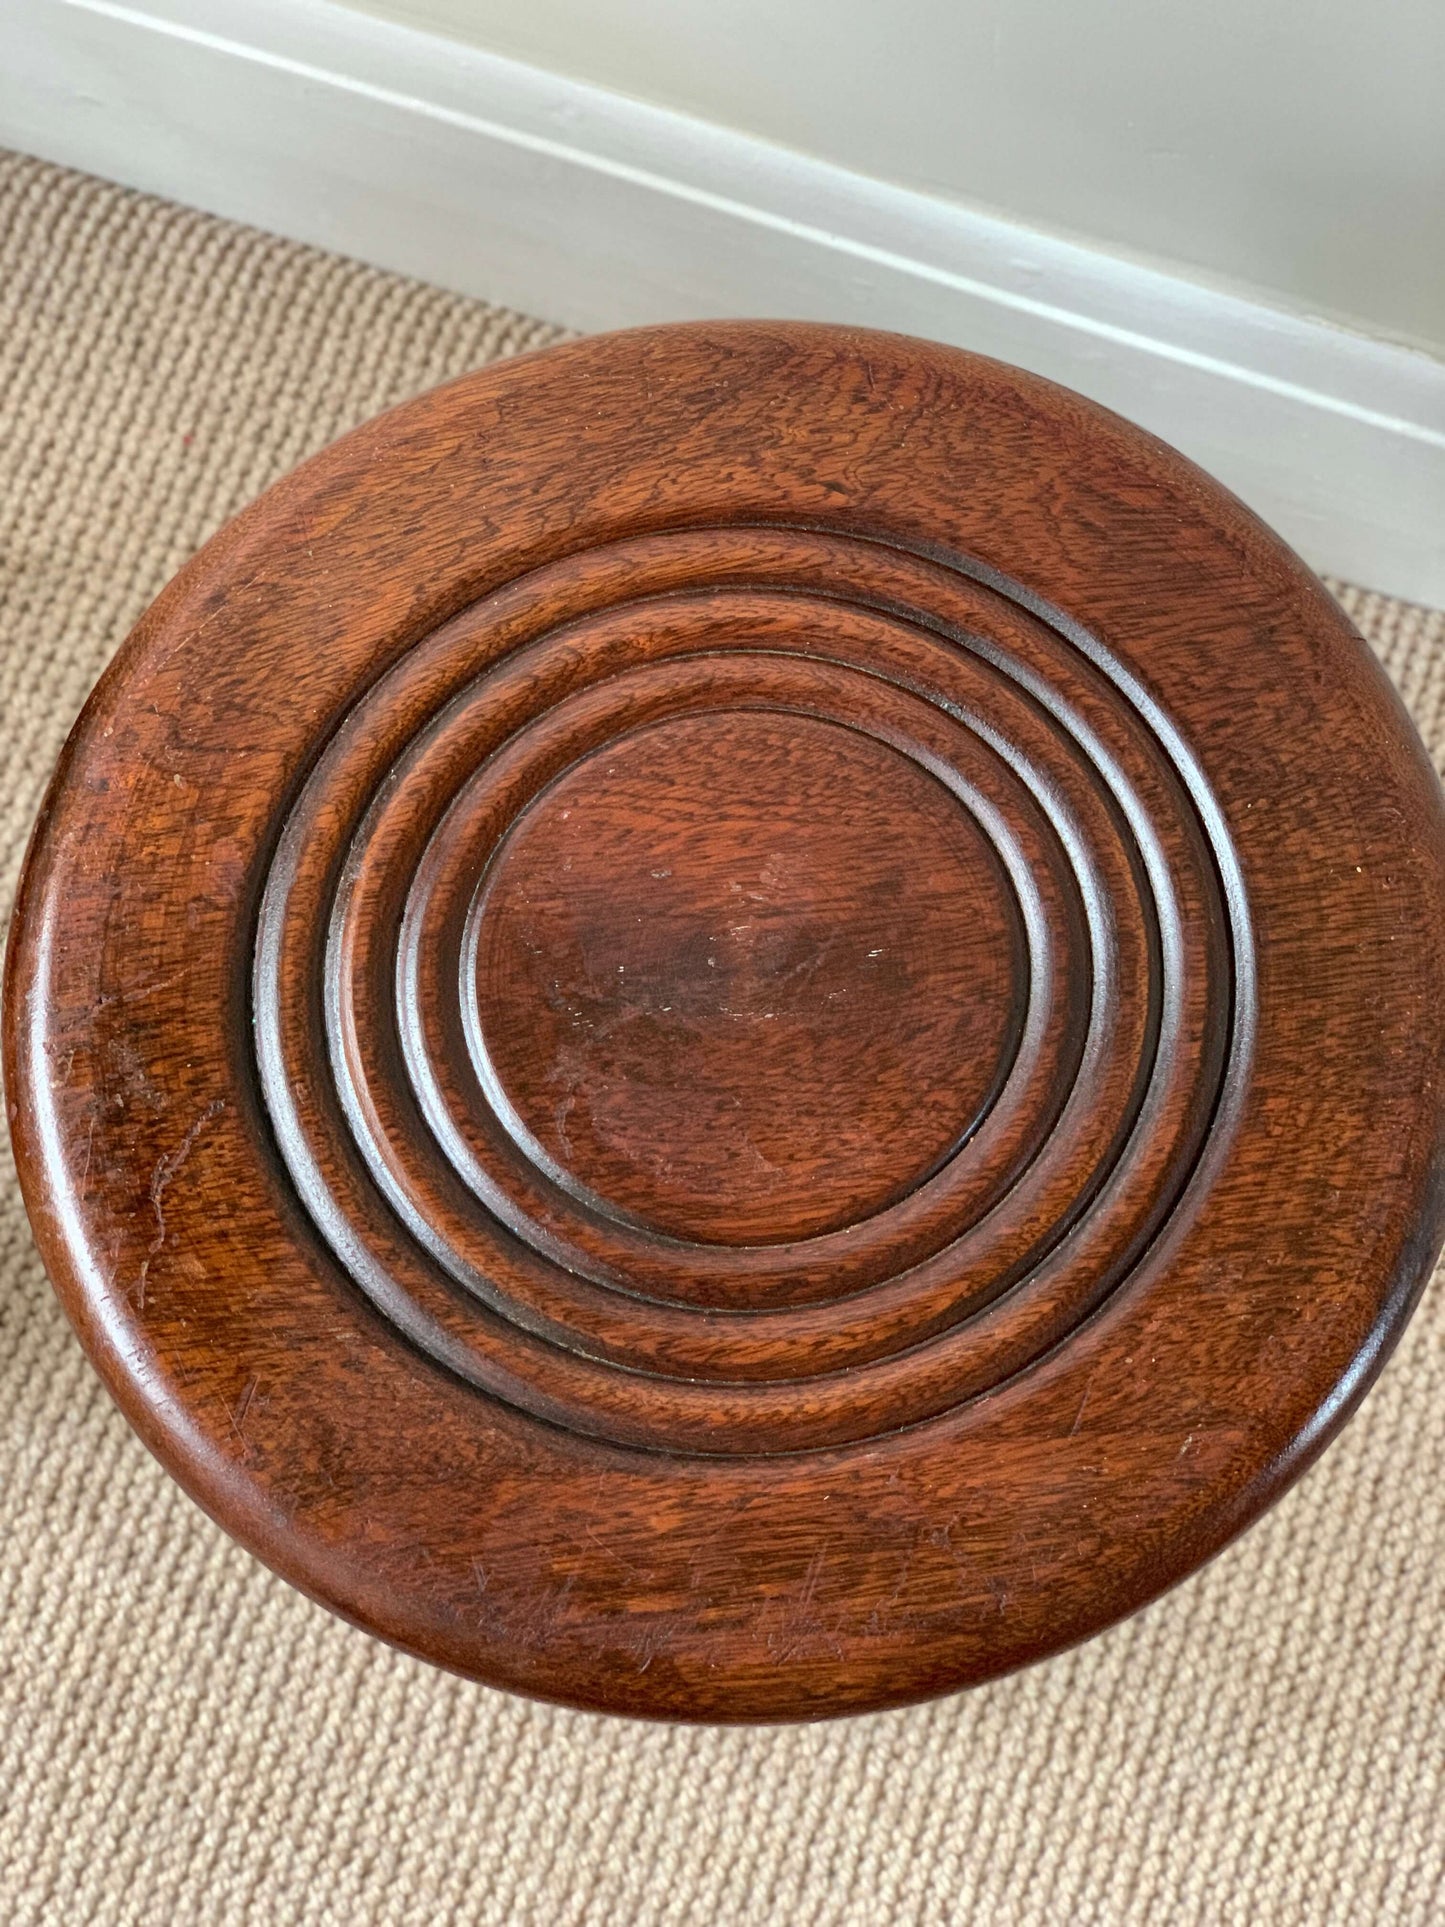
x=740 y=1021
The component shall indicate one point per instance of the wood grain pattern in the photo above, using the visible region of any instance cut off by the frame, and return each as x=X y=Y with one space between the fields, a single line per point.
x=737 y=1022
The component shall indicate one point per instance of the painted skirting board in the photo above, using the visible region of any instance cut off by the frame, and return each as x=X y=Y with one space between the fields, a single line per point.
x=497 y=179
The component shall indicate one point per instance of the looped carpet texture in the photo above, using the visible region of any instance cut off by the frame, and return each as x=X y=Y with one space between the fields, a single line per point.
x=183 y=1739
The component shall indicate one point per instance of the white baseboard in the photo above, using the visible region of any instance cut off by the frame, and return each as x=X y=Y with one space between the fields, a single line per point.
x=496 y=179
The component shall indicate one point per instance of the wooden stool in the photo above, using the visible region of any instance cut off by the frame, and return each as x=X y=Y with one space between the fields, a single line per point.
x=739 y=1021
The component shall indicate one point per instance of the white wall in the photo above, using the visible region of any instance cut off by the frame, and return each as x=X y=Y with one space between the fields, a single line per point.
x=1190 y=312
x=1292 y=149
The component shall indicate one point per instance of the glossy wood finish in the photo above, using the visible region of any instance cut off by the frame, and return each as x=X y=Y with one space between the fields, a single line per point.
x=739 y=1021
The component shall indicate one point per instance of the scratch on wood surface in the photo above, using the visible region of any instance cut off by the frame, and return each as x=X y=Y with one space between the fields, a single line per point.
x=1083 y=1402
x=238 y=1416
x=167 y=1170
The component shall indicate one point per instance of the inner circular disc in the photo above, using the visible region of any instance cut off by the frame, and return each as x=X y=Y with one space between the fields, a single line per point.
x=745 y=977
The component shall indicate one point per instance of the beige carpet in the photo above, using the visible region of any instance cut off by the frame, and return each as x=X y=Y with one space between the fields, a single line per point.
x=185 y=1740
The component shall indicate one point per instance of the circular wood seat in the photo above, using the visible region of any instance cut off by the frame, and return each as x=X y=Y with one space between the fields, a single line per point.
x=739 y=1021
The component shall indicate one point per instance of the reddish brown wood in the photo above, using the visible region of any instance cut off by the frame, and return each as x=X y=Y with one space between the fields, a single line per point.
x=739 y=1021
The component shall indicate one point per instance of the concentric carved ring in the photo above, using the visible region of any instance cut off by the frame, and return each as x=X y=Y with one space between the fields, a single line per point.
x=758 y=1011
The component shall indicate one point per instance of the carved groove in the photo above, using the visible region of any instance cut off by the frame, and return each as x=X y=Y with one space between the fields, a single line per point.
x=1048 y=1059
